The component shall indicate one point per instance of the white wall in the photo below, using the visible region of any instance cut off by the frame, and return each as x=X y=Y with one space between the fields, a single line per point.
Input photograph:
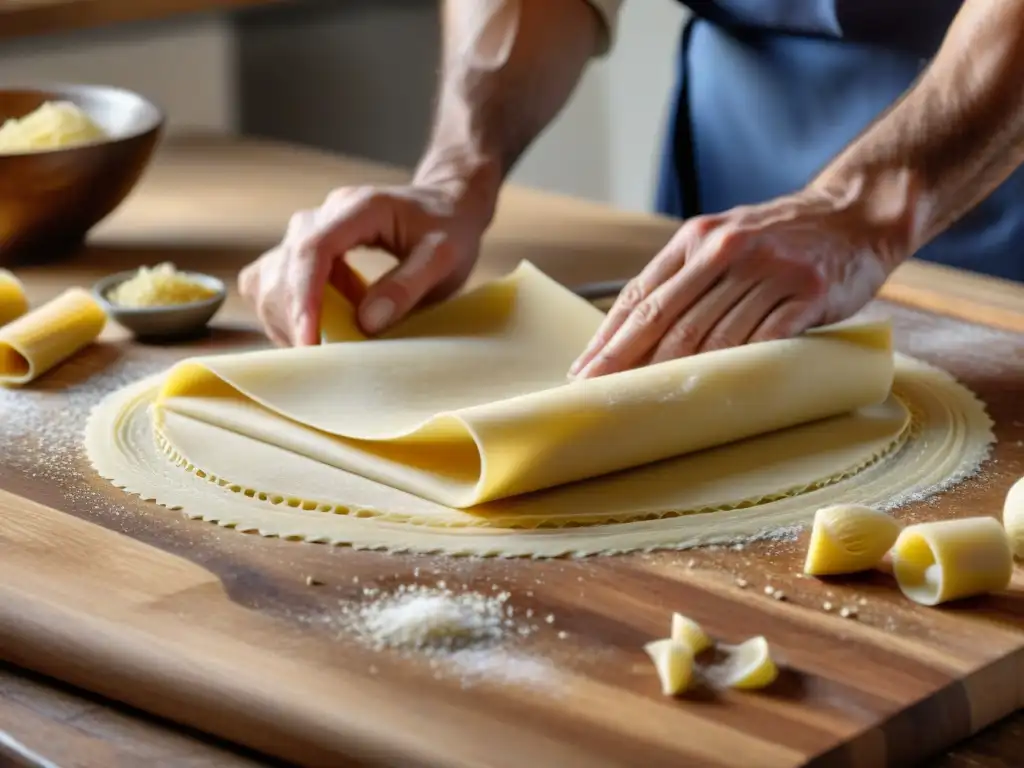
x=605 y=144
x=641 y=76
x=187 y=66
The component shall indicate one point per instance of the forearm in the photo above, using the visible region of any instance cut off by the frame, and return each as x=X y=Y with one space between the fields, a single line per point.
x=952 y=139
x=508 y=67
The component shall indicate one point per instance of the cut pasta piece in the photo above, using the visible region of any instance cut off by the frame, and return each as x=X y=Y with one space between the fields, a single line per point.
x=13 y=302
x=674 y=663
x=688 y=632
x=749 y=666
x=847 y=538
x=1013 y=517
x=952 y=559
x=48 y=335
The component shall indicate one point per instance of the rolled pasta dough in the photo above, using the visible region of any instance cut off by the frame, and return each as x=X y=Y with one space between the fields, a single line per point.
x=48 y=335
x=184 y=440
x=469 y=403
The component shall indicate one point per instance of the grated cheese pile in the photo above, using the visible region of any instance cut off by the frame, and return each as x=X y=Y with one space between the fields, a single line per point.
x=424 y=618
x=54 y=125
x=158 y=286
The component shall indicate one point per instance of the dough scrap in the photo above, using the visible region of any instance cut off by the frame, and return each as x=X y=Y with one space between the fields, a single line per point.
x=691 y=634
x=928 y=430
x=749 y=666
x=1013 y=517
x=673 y=661
x=48 y=335
x=848 y=538
x=947 y=560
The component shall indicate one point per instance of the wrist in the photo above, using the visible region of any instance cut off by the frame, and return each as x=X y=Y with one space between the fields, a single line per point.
x=886 y=206
x=471 y=179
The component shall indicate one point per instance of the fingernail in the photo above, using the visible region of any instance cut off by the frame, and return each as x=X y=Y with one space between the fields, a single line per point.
x=589 y=369
x=579 y=363
x=310 y=333
x=378 y=314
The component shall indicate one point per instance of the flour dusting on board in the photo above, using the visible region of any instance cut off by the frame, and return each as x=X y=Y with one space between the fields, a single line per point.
x=424 y=618
x=49 y=438
x=986 y=350
x=465 y=634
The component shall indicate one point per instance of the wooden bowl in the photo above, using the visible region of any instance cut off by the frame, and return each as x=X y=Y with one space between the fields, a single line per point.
x=49 y=200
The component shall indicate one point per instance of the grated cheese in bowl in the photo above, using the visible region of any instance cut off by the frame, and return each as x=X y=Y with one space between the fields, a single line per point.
x=54 y=125
x=158 y=286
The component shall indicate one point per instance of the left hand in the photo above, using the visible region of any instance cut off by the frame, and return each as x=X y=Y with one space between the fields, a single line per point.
x=753 y=273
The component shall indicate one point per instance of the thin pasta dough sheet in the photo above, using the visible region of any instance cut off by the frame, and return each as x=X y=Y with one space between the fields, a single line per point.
x=468 y=403
x=929 y=432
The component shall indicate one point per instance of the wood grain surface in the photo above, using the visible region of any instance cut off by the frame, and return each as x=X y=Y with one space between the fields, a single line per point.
x=72 y=728
x=25 y=18
x=219 y=631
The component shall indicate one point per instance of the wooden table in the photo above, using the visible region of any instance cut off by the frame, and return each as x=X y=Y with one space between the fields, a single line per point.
x=214 y=205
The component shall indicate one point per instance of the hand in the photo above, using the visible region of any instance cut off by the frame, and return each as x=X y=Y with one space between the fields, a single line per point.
x=425 y=227
x=754 y=273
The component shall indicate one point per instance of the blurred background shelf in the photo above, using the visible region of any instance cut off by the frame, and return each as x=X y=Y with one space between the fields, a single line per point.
x=23 y=18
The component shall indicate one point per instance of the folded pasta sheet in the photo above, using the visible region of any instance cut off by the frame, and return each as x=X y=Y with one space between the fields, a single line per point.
x=13 y=302
x=468 y=401
x=48 y=335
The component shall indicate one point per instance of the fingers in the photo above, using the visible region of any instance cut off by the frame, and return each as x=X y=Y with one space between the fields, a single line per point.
x=286 y=286
x=736 y=327
x=252 y=285
x=392 y=297
x=647 y=325
x=687 y=335
x=789 y=319
x=637 y=299
x=317 y=244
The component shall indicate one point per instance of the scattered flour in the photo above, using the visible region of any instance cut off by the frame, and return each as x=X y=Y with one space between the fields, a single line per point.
x=501 y=666
x=45 y=422
x=29 y=414
x=429 y=619
x=984 y=351
x=470 y=636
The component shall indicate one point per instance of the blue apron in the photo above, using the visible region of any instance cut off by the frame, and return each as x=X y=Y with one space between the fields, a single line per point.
x=769 y=91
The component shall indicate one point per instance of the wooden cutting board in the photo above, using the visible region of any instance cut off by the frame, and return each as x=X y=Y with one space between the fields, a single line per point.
x=220 y=631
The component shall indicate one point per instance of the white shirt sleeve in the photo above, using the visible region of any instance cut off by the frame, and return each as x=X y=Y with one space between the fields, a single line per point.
x=608 y=10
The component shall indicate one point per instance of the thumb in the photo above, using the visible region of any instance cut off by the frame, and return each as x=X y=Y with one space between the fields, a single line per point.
x=397 y=293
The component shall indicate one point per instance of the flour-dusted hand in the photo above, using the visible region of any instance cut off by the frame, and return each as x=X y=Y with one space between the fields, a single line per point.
x=754 y=273
x=434 y=237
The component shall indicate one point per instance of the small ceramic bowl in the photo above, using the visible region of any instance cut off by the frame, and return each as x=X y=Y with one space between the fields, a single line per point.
x=171 y=322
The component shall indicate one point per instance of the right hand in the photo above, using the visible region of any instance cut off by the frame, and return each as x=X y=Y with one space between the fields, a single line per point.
x=435 y=241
